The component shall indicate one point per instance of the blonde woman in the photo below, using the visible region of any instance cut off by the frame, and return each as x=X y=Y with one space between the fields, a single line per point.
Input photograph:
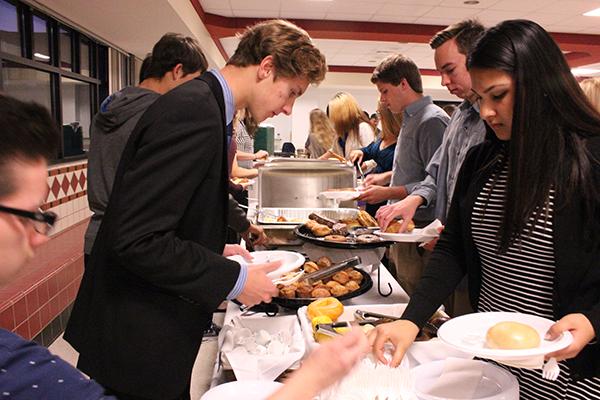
x=321 y=136
x=351 y=126
x=591 y=88
x=379 y=155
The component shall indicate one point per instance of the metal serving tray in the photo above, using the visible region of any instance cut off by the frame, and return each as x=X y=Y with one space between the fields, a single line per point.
x=298 y=216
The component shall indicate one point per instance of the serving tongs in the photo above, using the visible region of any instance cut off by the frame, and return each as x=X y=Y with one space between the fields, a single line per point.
x=327 y=272
x=371 y=317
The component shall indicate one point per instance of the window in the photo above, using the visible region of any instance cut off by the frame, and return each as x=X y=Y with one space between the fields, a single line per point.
x=76 y=115
x=65 y=40
x=84 y=56
x=26 y=83
x=41 y=40
x=10 y=34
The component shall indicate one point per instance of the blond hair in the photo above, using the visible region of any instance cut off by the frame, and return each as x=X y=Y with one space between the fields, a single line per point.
x=345 y=114
x=322 y=135
x=293 y=52
x=591 y=88
x=390 y=122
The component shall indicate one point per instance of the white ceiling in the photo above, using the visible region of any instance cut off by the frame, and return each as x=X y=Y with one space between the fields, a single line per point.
x=554 y=15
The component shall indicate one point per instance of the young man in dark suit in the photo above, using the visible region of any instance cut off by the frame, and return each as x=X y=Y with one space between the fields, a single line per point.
x=156 y=272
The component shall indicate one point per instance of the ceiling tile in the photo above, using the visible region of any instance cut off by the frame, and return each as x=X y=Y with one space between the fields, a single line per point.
x=304 y=5
x=461 y=3
x=570 y=7
x=274 y=13
x=452 y=13
x=215 y=4
x=415 y=2
x=336 y=16
x=492 y=17
x=398 y=19
x=402 y=10
x=522 y=6
x=302 y=14
x=545 y=18
x=255 y=5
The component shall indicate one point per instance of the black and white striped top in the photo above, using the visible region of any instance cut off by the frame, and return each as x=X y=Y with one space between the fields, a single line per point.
x=521 y=280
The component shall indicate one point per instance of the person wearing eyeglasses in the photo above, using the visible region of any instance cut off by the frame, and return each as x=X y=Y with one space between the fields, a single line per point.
x=29 y=139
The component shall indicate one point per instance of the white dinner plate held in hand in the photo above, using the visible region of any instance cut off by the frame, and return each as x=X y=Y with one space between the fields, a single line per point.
x=290 y=260
x=248 y=390
x=417 y=235
x=467 y=333
x=341 y=195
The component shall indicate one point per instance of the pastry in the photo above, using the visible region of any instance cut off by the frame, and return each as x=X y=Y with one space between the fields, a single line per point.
x=321 y=230
x=287 y=292
x=341 y=277
x=332 y=284
x=365 y=219
x=512 y=335
x=352 y=286
x=304 y=290
x=310 y=266
x=335 y=238
x=351 y=223
x=354 y=275
x=339 y=290
x=339 y=229
x=394 y=227
x=368 y=238
x=324 y=262
x=320 y=292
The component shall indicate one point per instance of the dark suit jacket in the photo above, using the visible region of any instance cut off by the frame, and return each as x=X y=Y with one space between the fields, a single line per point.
x=155 y=273
x=576 y=251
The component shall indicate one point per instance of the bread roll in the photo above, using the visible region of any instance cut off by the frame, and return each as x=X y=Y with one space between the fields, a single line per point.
x=511 y=335
x=395 y=226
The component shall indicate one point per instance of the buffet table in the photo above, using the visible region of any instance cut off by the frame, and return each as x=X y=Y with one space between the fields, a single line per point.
x=398 y=295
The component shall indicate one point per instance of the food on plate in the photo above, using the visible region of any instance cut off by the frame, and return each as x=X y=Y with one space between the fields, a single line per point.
x=310 y=266
x=328 y=306
x=368 y=238
x=395 y=226
x=304 y=290
x=335 y=238
x=341 y=277
x=318 y=229
x=281 y=218
x=352 y=285
x=339 y=290
x=324 y=262
x=321 y=219
x=366 y=219
x=512 y=335
x=355 y=276
x=361 y=231
x=341 y=190
x=320 y=292
x=339 y=229
x=351 y=223
x=289 y=292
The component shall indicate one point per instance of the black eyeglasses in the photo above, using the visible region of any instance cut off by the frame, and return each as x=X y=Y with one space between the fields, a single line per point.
x=42 y=221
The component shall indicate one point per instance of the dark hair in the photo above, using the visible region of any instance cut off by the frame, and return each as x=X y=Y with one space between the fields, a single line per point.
x=28 y=133
x=465 y=32
x=294 y=54
x=374 y=115
x=173 y=49
x=145 y=68
x=396 y=67
x=551 y=120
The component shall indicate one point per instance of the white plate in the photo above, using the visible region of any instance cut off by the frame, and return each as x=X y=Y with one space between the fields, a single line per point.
x=467 y=333
x=290 y=260
x=252 y=390
x=416 y=235
x=341 y=195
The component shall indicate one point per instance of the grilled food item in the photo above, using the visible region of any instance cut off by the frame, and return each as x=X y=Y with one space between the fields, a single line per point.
x=339 y=229
x=394 y=227
x=365 y=219
x=322 y=220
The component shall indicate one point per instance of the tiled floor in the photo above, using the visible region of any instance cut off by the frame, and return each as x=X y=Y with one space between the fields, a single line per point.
x=203 y=368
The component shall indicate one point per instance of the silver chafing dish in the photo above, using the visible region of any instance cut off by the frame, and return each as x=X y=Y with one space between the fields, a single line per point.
x=297 y=184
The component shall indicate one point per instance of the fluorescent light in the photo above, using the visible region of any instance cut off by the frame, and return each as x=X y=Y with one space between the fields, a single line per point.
x=585 y=71
x=593 y=13
x=41 y=56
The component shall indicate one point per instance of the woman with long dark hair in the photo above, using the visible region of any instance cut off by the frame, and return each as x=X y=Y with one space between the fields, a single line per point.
x=525 y=217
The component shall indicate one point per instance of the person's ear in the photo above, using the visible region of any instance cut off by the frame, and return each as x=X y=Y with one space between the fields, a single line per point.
x=178 y=72
x=266 y=68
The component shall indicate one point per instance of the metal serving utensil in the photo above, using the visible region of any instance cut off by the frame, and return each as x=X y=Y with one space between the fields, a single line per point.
x=327 y=272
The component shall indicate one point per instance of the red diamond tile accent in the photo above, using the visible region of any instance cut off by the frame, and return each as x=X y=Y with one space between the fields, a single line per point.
x=82 y=180
x=74 y=182
x=55 y=188
x=65 y=184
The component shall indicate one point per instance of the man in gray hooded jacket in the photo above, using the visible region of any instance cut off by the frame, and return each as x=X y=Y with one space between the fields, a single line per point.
x=175 y=59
